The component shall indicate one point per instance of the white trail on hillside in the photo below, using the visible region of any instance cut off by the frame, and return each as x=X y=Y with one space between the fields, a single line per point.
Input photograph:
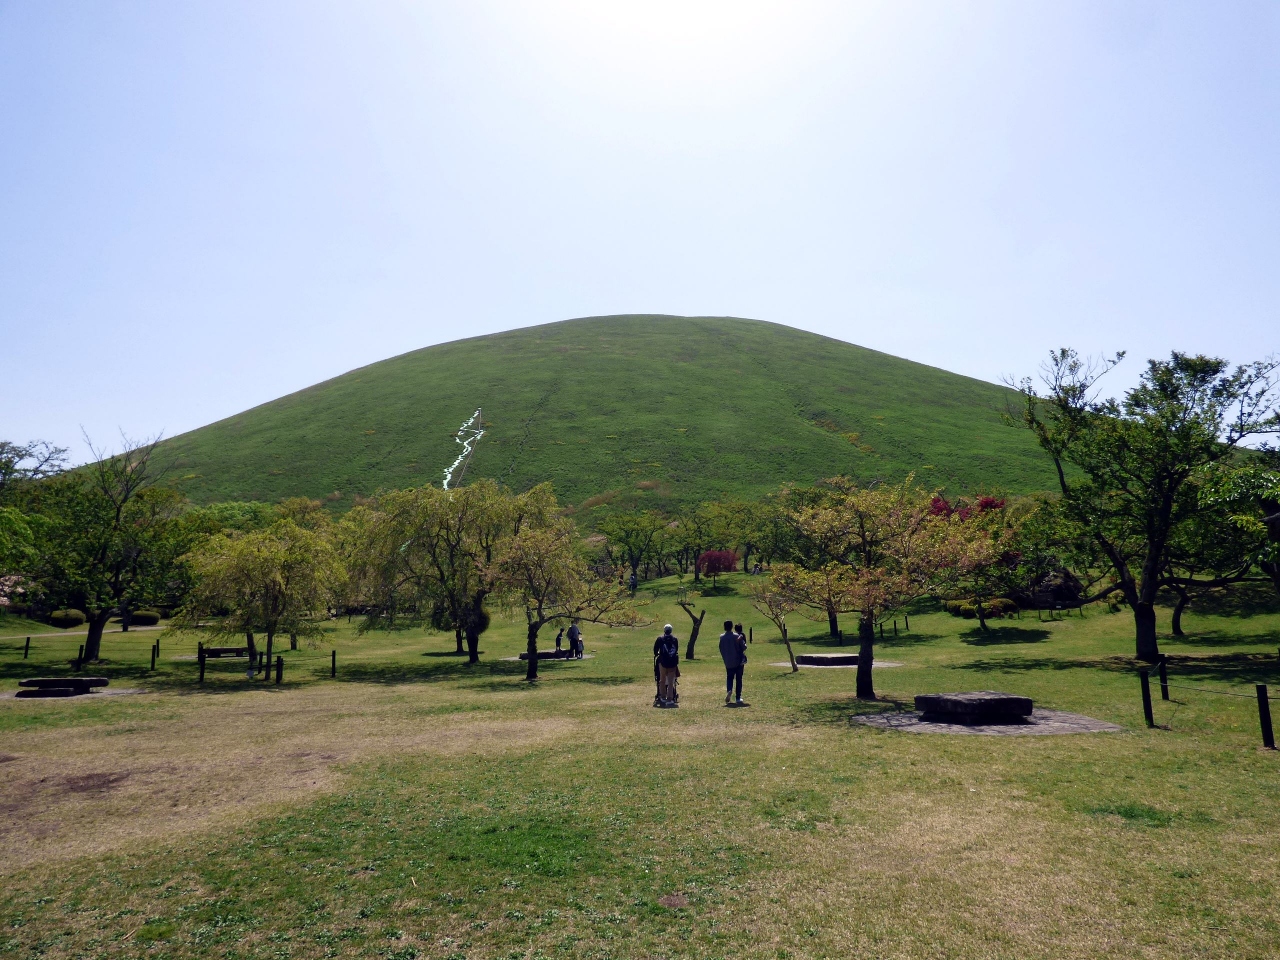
x=468 y=435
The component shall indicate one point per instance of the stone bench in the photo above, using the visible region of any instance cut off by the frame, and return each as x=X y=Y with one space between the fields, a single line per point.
x=827 y=659
x=976 y=707
x=43 y=687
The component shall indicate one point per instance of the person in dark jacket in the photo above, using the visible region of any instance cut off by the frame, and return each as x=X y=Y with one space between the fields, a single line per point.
x=733 y=651
x=667 y=651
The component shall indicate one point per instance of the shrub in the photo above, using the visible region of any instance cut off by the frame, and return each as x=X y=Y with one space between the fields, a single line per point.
x=144 y=618
x=968 y=611
x=65 y=619
x=1001 y=607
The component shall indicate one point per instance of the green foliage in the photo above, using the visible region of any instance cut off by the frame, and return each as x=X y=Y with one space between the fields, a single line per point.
x=66 y=619
x=627 y=412
x=144 y=618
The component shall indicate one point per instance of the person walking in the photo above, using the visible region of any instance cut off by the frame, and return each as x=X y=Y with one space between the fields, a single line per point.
x=733 y=651
x=667 y=650
x=575 y=641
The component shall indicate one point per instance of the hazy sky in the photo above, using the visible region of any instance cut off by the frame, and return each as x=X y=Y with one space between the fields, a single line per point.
x=207 y=205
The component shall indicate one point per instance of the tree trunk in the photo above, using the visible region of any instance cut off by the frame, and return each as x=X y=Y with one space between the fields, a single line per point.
x=693 y=634
x=1144 y=619
x=93 y=642
x=457 y=635
x=473 y=646
x=293 y=640
x=252 y=647
x=982 y=617
x=124 y=618
x=531 y=646
x=866 y=642
x=833 y=623
x=266 y=660
x=1183 y=598
x=790 y=655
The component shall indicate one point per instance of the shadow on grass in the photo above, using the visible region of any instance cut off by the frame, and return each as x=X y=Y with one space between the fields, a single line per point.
x=1229 y=668
x=1223 y=638
x=841 y=711
x=1245 y=600
x=499 y=684
x=996 y=636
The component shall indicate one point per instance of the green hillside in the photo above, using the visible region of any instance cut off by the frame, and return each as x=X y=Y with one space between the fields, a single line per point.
x=654 y=409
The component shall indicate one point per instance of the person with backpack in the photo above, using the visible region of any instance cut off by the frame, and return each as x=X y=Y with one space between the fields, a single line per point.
x=733 y=651
x=666 y=649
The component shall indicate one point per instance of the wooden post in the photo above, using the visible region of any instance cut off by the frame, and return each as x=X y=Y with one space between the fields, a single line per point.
x=200 y=657
x=266 y=664
x=840 y=636
x=26 y=649
x=1164 y=680
x=906 y=617
x=751 y=634
x=1146 y=698
x=882 y=631
x=153 y=656
x=80 y=658
x=279 y=669
x=895 y=628
x=1264 y=717
x=333 y=663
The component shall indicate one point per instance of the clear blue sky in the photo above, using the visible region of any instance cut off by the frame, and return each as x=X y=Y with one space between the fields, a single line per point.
x=207 y=205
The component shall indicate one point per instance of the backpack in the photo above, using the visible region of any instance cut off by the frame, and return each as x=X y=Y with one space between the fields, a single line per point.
x=670 y=648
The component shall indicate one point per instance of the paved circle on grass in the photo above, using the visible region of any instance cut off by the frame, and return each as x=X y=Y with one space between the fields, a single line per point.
x=837 y=666
x=1040 y=723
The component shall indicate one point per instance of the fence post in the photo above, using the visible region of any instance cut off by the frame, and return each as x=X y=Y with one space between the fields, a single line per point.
x=153 y=656
x=200 y=657
x=26 y=649
x=279 y=669
x=333 y=663
x=1164 y=680
x=751 y=634
x=895 y=628
x=882 y=631
x=1146 y=698
x=906 y=617
x=80 y=659
x=1264 y=717
x=266 y=664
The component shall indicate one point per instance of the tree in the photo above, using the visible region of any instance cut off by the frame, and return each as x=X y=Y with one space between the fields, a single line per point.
x=682 y=600
x=429 y=551
x=775 y=602
x=109 y=534
x=541 y=569
x=1123 y=467
x=634 y=536
x=267 y=581
x=888 y=548
x=1249 y=491
x=984 y=558
x=715 y=562
x=23 y=463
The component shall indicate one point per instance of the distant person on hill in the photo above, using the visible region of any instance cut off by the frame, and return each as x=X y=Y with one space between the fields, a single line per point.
x=559 y=640
x=733 y=651
x=667 y=651
x=575 y=641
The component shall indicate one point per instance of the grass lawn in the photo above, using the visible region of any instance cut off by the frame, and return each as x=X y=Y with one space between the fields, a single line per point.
x=418 y=807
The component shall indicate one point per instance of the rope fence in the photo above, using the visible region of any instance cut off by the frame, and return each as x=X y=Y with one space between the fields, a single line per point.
x=1260 y=694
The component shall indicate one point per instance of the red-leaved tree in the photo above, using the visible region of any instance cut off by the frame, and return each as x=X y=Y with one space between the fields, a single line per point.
x=712 y=563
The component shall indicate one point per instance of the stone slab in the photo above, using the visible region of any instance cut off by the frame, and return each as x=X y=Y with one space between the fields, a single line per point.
x=1040 y=723
x=43 y=693
x=827 y=659
x=86 y=682
x=975 y=706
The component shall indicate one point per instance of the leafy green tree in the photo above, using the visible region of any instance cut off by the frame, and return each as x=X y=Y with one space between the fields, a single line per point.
x=267 y=581
x=22 y=463
x=1124 y=467
x=542 y=570
x=426 y=549
x=109 y=535
x=634 y=537
x=1249 y=491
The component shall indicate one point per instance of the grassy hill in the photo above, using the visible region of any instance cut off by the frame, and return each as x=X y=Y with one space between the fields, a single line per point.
x=650 y=409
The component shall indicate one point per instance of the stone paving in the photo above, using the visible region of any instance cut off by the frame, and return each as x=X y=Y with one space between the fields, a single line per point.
x=1040 y=723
